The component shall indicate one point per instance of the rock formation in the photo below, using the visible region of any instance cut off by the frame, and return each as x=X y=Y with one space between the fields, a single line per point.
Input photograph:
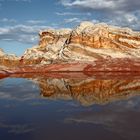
x=87 y=42
x=88 y=47
x=8 y=60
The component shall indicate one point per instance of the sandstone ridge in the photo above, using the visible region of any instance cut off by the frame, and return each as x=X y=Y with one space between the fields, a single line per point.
x=89 y=47
x=86 y=42
x=8 y=60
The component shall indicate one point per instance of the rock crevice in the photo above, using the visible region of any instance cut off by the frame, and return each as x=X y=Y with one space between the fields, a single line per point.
x=87 y=43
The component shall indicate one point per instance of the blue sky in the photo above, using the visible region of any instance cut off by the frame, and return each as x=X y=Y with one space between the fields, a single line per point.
x=21 y=20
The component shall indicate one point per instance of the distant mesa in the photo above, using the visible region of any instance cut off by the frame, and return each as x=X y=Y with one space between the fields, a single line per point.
x=100 y=46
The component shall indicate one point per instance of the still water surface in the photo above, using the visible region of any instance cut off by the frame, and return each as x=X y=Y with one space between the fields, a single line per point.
x=42 y=108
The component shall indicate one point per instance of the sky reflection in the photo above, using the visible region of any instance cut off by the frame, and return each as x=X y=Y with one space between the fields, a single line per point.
x=49 y=108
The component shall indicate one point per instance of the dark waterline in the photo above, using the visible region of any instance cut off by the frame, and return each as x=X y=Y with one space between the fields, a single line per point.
x=56 y=109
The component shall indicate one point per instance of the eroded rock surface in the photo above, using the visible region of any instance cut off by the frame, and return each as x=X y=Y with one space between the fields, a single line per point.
x=88 y=47
x=87 y=42
x=8 y=60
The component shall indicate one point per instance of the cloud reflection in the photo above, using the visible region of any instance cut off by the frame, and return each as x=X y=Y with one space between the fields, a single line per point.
x=17 y=128
x=120 y=117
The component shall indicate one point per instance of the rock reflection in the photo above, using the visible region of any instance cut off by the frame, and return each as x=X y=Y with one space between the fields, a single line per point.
x=86 y=90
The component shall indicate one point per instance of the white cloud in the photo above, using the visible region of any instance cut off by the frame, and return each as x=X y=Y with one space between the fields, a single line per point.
x=117 y=12
x=3 y=31
x=22 y=0
x=6 y=20
x=94 y=4
x=115 y=5
x=36 y=21
x=70 y=20
x=126 y=20
x=15 y=0
x=73 y=14
x=95 y=21
x=21 y=33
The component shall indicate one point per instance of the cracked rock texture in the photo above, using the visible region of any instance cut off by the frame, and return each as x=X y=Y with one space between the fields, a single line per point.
x=87 y=47
x=86 y=42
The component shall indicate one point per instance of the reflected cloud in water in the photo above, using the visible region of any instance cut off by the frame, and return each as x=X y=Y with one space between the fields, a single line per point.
x=40 y=105
x=120 y=117
x=17 y=128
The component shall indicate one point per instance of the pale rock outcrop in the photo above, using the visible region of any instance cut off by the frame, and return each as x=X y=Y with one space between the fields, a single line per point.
x=88 y=47
x=1 y=52
x=8 y=60
x=86 y=42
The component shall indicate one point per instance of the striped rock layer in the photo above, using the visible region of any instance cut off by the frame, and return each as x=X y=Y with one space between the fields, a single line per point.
x=88 y=47
x=86 y=42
